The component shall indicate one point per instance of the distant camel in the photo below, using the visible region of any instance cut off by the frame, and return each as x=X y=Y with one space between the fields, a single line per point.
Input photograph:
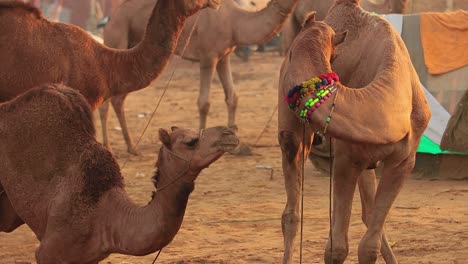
x=382 y=121
x=215 y=36
x=69 y=190
x=293 y=24
x=34 y=51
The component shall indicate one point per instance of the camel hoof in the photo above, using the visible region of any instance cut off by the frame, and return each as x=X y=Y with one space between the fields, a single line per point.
x=234 y=128
x=241 y=150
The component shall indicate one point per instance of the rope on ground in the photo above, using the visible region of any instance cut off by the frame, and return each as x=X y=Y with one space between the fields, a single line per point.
x=265 y=128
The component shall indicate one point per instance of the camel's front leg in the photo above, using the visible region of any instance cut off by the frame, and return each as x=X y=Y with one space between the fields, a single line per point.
x=367 y=185
x=389 y=186
x=207 y=66
x=291 y=149
x=345 y=175
x=225 y=75
x=118 y=104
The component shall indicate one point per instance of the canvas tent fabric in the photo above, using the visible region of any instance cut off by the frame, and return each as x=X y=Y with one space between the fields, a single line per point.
x=444 y=37
x=409 y=28
x=456 y=133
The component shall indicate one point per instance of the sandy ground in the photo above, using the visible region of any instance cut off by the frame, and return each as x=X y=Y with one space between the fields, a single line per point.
x=234 y=213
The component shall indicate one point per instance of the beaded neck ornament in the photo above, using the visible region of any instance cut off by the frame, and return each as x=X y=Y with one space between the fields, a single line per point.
x=317 y=90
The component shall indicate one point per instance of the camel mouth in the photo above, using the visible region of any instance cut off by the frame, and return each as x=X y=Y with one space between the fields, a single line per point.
x=228 y=143
x=214 y=4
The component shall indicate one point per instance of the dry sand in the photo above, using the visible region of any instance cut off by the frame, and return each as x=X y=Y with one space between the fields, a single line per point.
x=234 y=213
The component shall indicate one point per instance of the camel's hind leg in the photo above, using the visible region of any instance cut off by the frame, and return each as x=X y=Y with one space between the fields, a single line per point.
x=345 y=175
x=389 y=186
x=225 y=76
x=9 y=219
x=292 y=150
x=118 y=104
x=367 y=185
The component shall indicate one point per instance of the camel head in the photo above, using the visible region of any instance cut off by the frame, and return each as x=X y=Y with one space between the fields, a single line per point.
x=321 y=34
x=186 y=150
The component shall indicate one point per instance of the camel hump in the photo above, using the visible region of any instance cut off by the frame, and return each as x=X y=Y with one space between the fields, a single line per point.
x=58 y=101
x=20 y=5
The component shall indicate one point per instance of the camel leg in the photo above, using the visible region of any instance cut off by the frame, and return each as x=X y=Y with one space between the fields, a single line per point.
x=9 y=219
x=104 y=114
x=118 y=104
x=225 y=75
x=345 y=177
x=367 y=185
x=207 y=66
x=291 y=150
x=389 y=186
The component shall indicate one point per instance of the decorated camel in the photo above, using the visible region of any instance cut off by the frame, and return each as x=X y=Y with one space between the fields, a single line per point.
x=215 y=36
x=69 y=190
x=34 y=51
x=381 y=120
x=321 y=7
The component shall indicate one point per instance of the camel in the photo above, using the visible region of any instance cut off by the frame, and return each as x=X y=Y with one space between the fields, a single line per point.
x=381 y=120
x=304 y=7
x=69 y=189
x=214 y=38
x=36 y=51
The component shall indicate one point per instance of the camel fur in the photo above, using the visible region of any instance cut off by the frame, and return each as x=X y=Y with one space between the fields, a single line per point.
x=294 y=23
x=69 y=189
x=382 y=119
x=215 y=36
x=34 y=51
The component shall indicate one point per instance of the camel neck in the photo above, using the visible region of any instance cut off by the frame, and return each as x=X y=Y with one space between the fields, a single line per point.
x=134 y=69
x=259 y=27
x=140 y=230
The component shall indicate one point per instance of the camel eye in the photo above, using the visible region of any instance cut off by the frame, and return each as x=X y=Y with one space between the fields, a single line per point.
x=192 y=142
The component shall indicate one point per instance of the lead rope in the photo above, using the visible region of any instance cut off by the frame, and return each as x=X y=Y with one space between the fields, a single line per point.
x=165 y=88
x=160 y=99
x=302 y=190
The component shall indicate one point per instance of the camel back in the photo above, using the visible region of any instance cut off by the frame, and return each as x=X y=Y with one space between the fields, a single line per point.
x=21 y=5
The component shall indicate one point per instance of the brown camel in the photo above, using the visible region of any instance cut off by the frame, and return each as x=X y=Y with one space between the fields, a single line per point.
x=382 y=121
x=214 y=37
x=69 y=190
x=293 y=24
x=36 y=51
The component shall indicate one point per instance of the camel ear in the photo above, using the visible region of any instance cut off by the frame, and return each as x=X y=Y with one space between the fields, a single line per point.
x=164 y=137
x=309 y=19
x=174 y=128
x=339 y=38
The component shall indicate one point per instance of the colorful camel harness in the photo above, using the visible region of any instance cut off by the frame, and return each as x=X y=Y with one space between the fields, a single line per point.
x=317 y=90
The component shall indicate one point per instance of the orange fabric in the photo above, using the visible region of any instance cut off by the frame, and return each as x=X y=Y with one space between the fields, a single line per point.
x=444 y=38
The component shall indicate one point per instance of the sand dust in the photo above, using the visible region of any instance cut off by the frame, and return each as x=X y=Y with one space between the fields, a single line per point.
x=234 y=213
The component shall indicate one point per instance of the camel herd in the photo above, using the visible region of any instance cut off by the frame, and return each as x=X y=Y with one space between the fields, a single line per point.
x=56 y=177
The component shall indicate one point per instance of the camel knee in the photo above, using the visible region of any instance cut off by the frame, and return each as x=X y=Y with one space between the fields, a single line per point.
x=289 y=144
x=289 y=219
x=203 y=107
x=231 y=101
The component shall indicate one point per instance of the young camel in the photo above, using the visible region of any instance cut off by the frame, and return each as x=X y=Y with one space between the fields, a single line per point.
x=215 y=36
x=68 y=188
x=34 y=51
x=382 y=121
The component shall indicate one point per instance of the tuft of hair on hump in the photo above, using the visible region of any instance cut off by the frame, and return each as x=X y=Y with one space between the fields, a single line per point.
x=100 y=172
x=19 y=4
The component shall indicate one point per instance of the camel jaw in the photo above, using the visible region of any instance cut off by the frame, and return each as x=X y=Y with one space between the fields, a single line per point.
x=229 y=143
x=214 y=4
